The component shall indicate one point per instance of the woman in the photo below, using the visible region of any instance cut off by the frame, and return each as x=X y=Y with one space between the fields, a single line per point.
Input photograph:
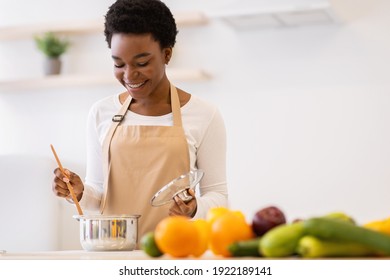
x=143 y=138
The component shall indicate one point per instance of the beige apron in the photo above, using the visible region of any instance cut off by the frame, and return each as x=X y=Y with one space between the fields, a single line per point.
x=139 y=160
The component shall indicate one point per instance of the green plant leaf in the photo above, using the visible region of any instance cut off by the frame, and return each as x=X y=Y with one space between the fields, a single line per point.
x=51 y=45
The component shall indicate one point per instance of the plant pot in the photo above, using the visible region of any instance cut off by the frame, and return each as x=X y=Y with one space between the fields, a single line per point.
x=52 y=66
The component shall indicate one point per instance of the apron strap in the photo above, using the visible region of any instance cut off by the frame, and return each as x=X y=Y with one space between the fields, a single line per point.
x=175 y=105
x=116 y=120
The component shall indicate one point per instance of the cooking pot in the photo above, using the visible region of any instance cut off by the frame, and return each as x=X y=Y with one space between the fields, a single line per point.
x=108 y=233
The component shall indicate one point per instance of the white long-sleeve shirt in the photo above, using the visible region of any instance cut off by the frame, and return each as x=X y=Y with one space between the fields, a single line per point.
x=206 y=136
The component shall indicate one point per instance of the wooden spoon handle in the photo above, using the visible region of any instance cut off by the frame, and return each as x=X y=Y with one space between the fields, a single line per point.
x=70 y=188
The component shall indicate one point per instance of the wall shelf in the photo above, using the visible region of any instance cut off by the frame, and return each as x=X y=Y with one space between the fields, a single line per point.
x=62 y=81
x=76 y=27
x=85 y=27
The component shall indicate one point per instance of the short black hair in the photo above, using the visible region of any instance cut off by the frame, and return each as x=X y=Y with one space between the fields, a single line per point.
x=140 y=17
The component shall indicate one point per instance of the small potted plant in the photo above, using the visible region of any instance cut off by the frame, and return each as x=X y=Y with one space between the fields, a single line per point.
x=52 y=47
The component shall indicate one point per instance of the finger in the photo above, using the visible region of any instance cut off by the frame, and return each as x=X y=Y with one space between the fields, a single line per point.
x=191 y=192
x=57 y=172
x=64 y=177
x=173 y=213
x=59 y=191
x=192 y=206
x=76 y=183
x=176 y=212
x=73 y=177
x=179 y=202
x=173 y=210
x=67 y=172
x=60 y=182
x=184 y=208
x=59 y=186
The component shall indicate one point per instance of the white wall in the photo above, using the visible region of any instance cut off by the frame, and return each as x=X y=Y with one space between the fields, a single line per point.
x=29 y=214
x=306 y=108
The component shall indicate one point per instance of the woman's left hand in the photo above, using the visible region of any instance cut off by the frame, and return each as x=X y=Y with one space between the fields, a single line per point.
x=181 y=208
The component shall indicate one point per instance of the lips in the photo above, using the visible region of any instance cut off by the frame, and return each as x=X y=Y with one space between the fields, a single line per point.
x=135 y=85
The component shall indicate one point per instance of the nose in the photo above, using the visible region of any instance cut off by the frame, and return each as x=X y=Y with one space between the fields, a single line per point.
x=131 y=74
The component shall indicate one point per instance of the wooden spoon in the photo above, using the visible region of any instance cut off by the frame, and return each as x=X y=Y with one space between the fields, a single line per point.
x=70 y=188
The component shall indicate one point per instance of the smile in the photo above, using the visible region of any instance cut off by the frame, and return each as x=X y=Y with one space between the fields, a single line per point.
x=133 y=86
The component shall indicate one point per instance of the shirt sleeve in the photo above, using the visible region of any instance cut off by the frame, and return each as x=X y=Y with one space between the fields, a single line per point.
x=211 y=158
x=93 y=185
x=91 y=199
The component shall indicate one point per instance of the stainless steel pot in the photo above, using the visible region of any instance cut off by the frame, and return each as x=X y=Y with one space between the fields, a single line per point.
x=108 y=233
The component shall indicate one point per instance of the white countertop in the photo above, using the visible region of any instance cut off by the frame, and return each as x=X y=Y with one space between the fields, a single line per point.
x=73 y=255
x=85 y=255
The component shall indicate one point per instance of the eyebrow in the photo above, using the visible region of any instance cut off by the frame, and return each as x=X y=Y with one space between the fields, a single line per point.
x=135 y=57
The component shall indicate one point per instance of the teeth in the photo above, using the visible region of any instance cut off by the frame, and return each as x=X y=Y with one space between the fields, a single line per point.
x=135 y=85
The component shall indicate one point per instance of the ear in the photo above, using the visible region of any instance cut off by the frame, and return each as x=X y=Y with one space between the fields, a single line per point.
x=167 y=55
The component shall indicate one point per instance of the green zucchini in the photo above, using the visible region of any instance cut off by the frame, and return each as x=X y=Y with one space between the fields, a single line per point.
x=336 y=230
x=313 y=247
x=340 y=216
x=282 y=240
x=245 y=248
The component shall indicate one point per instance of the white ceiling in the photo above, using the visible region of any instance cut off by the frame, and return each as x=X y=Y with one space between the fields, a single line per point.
x=276 y=13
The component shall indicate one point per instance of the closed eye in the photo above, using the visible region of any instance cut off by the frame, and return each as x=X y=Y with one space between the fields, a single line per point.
x=119 y=66
x=142 y=64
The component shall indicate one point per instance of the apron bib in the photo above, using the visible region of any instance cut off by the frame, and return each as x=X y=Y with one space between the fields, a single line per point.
x=138 y=161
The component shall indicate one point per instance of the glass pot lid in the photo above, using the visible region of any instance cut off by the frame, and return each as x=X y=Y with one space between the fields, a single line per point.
x=179 y=187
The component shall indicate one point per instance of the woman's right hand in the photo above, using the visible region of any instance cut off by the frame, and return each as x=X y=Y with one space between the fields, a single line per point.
x=60 y=188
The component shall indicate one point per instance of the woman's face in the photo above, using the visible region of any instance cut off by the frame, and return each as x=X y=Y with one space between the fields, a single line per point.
x=139 y=63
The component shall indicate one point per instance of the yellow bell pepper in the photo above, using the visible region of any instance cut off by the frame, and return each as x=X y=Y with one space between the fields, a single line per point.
x=379 y=225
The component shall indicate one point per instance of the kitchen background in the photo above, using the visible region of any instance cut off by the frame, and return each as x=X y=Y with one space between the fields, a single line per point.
x=303 y=87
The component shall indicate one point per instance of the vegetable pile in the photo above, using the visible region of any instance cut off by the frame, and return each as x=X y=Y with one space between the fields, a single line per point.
x=226 y=233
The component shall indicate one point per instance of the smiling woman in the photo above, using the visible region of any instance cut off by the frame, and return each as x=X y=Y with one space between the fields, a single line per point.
x=141 y=139
x=139 y=66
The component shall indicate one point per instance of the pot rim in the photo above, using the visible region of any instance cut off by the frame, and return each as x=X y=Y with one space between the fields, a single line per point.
x=105 y=217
